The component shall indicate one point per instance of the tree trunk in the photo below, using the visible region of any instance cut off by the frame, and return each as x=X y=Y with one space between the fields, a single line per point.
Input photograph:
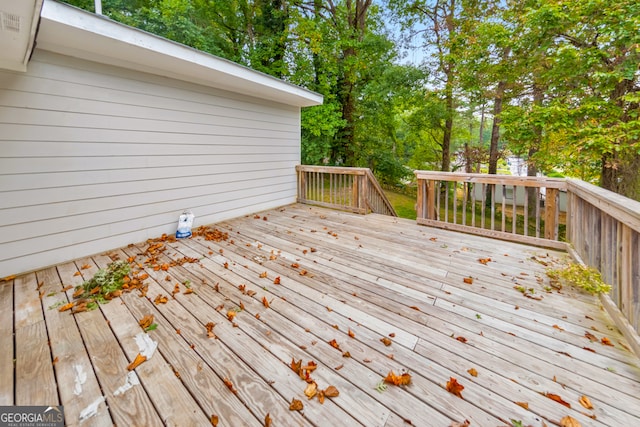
x=495 y=129
x=532 y=168
x=448 y=124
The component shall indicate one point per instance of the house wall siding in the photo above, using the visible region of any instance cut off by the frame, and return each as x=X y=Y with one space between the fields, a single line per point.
x=95 y=157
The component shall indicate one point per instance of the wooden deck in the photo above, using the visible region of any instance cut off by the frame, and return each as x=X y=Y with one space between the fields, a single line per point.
x=344 y=277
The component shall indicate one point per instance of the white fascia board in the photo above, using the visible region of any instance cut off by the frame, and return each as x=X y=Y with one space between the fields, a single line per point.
x=74 y=32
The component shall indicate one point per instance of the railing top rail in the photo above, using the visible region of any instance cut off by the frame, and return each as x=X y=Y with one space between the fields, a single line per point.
x=483 y=178
x=332 y=169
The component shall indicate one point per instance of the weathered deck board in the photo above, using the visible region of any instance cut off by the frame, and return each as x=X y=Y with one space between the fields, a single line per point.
x=35 y=380
x=367 y=277
x=6 y=342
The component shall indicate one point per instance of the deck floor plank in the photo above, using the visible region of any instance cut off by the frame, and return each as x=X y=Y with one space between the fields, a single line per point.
x=367 y=277
x=34 y=375
x=6 y=343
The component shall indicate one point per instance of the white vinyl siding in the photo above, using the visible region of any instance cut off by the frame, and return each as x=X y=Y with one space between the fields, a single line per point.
x=94 y=157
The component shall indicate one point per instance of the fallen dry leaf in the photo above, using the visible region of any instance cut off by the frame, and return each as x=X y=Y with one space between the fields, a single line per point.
x=214 y=420
x=351 y=333
x=413 y=307
x=606 y=341
x=136 y=362
x=296 y=366
x=67 y=306
x=296 y=405
x=265 y=302
x=77 y=273
x=585 y=402
x=267 y=420
x=146 y=321
x=231 y=314
x=590 y=336
x=334 y=344
x=454 y=387
x=525 y=405
x=557 y=399
x=276 y=281
x=263 y=275
x=472 y=372
x=468 y=280
x=465 y=423
x=85 y=267
x=569 y=422
x=161 y=299
x=462 y=339
x=229 y=385
x=311 y=390
x=558 y=328
x=386 y=341
x=484 y=261
x=403 y=379
x=210 y=327
x=331 y=391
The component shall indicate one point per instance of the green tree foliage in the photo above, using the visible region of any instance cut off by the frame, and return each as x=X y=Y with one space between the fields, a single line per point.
x=554 y=81
x=587 y=114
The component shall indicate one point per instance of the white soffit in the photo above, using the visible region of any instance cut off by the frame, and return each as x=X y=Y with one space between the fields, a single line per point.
x=74 y=32
x=18 y=25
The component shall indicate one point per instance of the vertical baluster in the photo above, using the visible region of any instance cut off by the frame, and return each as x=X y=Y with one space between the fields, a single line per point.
x=526 y=210
x=493 y=206
x=332 y=189
x=446 y=201
x=504 y=207
x=514 y=212
x=483 y=205
x=438 y=188
x=537 y=212
x=465 y=189
x=473 y=204
x=455 y=201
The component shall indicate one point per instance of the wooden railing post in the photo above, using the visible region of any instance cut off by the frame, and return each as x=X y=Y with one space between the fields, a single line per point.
x=420 y=198
x=550 y=205
x=431 y=212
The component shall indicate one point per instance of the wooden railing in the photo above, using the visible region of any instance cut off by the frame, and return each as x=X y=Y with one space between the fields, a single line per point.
x=524 y=209
x=602 y=228
x=351 y=189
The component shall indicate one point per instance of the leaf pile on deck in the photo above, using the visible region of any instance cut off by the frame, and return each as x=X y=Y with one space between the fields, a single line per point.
x=106 y=284
x=311 y=390
x=212 y=234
